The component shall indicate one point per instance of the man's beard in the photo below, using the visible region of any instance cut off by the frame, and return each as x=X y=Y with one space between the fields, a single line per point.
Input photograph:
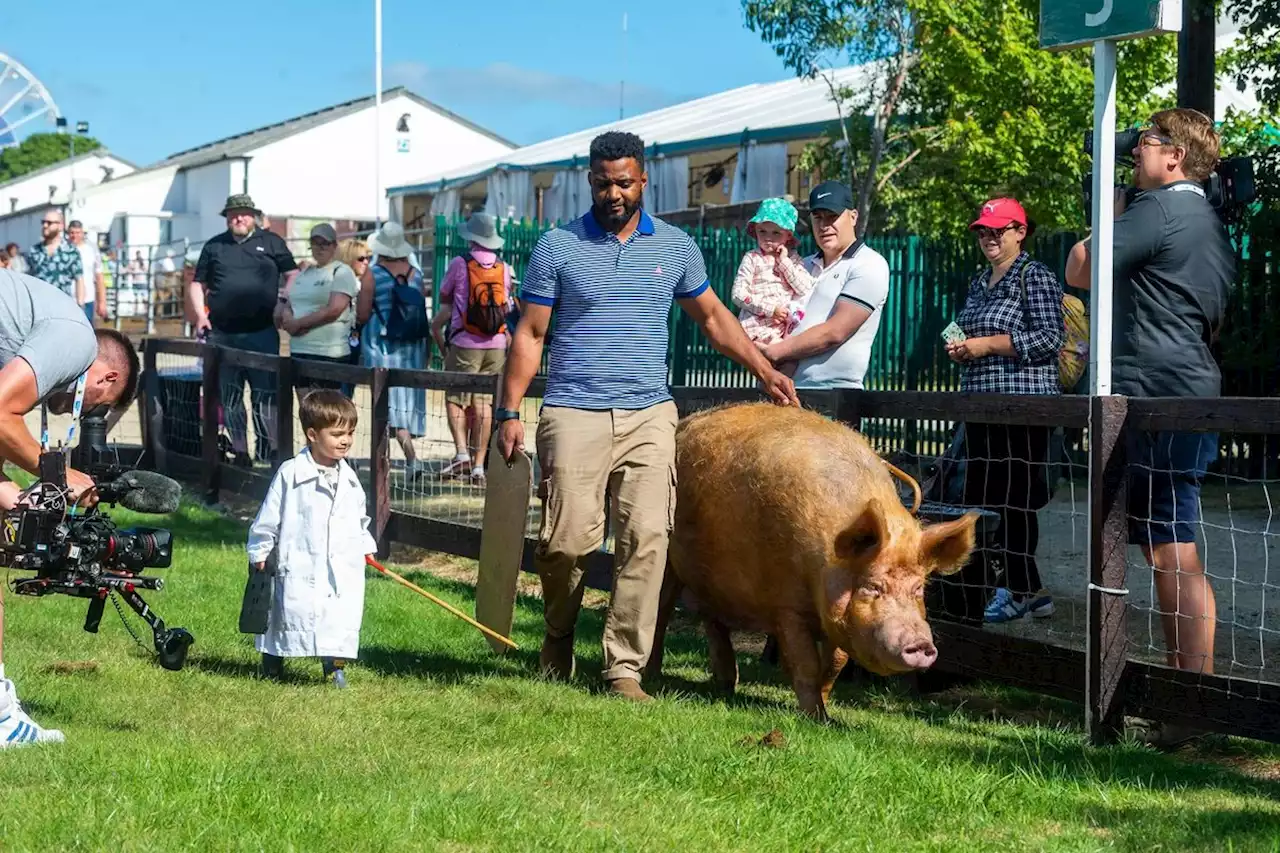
x=607 y=219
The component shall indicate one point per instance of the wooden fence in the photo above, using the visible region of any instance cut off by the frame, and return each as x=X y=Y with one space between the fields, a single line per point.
x=1103 y=677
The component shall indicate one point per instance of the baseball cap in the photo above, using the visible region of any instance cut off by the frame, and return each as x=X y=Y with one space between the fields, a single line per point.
x=831 y=195
x=998 y=213
x=325 y=232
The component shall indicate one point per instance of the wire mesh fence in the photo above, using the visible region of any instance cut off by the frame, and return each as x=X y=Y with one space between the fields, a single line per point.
x=1024 y=610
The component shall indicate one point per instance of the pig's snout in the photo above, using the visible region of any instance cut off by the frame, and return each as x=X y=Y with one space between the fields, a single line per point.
x=919 y=655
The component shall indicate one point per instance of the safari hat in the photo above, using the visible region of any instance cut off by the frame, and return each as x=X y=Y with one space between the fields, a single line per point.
x=482 y=229
x=389 y=242
x=780 y=212
x=240 y=201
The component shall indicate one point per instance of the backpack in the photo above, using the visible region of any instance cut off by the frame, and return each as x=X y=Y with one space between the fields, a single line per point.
x=1073 y=356
x=487 y=299
x=407 y=318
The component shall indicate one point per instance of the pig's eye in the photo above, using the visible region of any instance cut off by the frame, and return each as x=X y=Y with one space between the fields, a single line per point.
x=871 y=590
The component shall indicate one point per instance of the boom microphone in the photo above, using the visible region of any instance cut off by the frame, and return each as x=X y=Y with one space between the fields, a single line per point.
x=142 y=491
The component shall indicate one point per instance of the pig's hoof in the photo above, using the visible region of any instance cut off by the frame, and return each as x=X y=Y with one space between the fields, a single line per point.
x=725 y=685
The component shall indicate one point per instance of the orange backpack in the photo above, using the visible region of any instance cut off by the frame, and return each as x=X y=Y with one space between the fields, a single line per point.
x=487 y=299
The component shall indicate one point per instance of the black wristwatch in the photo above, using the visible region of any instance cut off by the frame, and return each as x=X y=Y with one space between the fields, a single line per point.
x=500 y=415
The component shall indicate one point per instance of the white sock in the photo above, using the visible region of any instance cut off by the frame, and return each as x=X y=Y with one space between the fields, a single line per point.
x=462 y=457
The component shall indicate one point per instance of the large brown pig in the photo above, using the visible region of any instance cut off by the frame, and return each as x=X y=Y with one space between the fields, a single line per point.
x=787 y=522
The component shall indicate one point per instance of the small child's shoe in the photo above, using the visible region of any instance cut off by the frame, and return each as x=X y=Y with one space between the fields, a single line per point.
x=333 y=672
x=272 y=667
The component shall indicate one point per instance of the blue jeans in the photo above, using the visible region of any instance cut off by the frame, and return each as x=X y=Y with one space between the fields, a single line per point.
x=262 y=391
x=1166 y=470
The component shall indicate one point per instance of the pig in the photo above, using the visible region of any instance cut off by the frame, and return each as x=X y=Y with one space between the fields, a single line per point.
x=787 y=522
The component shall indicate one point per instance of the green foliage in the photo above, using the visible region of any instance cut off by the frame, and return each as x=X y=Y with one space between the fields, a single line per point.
x=39 y=150
x=983 y=109
x=1255 y=60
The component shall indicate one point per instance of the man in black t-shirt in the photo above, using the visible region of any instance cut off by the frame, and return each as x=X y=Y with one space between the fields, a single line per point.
x=238 y=278
x=1173 y=269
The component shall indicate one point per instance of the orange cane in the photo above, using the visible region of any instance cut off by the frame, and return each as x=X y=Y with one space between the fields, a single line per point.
x=420 y=591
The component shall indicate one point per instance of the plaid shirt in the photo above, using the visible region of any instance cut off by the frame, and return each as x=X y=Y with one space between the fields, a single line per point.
x=1035 y=325
x=61 y=269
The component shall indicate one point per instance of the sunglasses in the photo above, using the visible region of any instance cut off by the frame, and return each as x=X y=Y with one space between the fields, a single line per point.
x=50 y=222
x=364 y=258
x=985 y=233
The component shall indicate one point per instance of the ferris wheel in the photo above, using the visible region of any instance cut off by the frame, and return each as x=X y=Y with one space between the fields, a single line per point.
x=24 y=102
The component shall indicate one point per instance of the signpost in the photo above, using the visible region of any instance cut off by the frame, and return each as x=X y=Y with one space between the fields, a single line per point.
x=1066 y=24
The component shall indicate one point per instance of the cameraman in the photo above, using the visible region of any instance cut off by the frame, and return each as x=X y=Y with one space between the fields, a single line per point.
x=1173 y=268
x=48 y=351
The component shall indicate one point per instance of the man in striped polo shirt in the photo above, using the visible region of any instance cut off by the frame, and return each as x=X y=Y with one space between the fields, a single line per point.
x=608 y=420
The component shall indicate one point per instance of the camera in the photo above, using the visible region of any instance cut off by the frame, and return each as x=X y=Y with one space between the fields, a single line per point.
x=84 y=554
x=1229 y=189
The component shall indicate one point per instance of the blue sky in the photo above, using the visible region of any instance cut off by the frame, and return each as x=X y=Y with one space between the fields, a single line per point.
x=153 y=77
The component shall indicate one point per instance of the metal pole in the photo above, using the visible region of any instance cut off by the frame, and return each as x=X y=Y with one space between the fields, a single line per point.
x=1104 y=167
x=377 y=111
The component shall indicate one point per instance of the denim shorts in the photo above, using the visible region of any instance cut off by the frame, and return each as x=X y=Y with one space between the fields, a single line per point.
x=1166 y=470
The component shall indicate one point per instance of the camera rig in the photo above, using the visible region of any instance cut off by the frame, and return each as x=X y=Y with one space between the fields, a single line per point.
x=83 y=553
x=1228 y=189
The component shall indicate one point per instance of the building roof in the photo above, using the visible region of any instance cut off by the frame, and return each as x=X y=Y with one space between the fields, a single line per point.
x=243 y=143
x=788 y=109
x=95 y=154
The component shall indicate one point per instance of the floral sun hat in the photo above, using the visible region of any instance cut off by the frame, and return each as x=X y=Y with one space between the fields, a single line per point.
x=780 y=212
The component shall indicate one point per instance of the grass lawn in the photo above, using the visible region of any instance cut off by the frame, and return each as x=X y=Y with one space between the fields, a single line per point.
x=438 y=744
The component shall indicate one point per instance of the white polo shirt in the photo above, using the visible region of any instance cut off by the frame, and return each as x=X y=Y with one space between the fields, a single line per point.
x=862 y=276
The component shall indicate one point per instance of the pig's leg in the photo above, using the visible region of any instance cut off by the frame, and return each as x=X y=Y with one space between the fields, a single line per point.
x=671 y=587
x=799 y=649
x=724 y=662
x=836 y=658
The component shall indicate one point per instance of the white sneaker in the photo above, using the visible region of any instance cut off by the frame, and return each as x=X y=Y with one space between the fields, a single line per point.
x=18 y=729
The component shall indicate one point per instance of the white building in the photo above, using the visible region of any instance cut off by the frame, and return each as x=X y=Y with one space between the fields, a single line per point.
x=35 y=192
x=312 y=168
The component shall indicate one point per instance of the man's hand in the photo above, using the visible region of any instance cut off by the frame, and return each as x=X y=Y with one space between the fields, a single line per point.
x=82 y=488
x=780 y=388
x=202 y=324
x=511 y=438
x=1121 y=195
x=261 y=567
x=101 y=309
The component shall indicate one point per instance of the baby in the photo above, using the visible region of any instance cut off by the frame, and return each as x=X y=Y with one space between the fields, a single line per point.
x=772 y=284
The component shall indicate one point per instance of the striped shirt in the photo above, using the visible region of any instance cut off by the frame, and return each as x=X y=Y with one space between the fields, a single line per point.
x=612 y=303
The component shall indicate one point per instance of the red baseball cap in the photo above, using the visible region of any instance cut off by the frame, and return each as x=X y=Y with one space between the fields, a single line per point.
x=999 y=212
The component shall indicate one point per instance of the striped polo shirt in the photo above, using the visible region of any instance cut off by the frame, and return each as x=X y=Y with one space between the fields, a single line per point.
x=612 y=302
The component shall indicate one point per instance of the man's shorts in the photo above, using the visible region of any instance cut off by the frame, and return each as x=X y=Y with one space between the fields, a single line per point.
x=468 y=360
x=1166 y=470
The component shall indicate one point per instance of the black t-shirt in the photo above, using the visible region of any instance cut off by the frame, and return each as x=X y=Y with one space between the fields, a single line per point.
x=1174 y=267
x=241 y=280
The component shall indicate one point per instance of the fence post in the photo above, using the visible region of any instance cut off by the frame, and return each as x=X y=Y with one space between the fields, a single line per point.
x=211 y=394
x=1108 y=541
x=284 y=410
x=380 y=457
x=148 y=402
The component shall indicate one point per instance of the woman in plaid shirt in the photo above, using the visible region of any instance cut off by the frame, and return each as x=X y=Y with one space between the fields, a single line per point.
x=1013 y=326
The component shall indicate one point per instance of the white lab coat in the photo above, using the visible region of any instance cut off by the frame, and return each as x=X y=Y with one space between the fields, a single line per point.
x=323 y=538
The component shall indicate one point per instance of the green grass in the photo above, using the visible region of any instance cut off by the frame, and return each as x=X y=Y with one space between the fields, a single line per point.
x=440 y=745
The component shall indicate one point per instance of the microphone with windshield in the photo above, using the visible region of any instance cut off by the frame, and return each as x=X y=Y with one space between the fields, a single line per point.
x=137 y=490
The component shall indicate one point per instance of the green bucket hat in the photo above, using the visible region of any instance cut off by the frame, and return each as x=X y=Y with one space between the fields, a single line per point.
x=779 y=211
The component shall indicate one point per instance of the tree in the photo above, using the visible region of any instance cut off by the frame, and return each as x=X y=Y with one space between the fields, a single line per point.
x=965 y=104
x=39 y=150
x=1255 y=60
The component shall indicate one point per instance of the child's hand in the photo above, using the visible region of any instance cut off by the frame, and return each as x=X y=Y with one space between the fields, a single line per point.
x=262 y=567
x=781 y=314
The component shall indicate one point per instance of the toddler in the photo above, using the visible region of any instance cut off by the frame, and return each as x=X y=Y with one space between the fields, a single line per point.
x=772 y=284
x=314 y=520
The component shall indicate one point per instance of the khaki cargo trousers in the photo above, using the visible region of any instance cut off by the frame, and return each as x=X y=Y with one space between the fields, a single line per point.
x=631 y=453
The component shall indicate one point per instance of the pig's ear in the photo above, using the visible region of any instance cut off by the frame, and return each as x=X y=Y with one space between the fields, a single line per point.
x=945 y=548
x=865 y=535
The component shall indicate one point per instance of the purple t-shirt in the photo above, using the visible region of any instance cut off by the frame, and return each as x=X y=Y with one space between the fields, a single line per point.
x=455 y=288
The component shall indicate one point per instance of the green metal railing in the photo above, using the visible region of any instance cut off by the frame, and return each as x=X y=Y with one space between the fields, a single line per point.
x=928 y=284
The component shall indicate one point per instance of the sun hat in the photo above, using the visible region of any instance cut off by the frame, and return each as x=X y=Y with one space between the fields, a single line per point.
x=389 y=242
x=780 y=212
x=240 y=201
x=482 y=229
